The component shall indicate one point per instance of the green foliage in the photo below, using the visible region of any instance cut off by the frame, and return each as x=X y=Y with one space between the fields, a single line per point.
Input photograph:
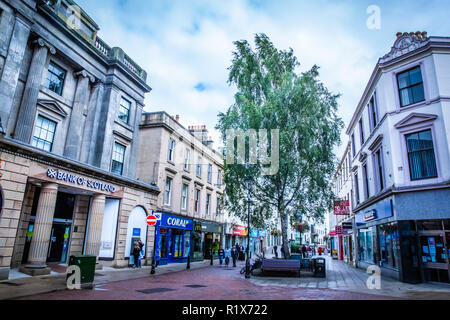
x=271 y=95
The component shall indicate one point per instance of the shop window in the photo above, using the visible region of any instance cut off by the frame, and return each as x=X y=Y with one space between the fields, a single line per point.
x=433 y=249
x=163 y=242
x=410 y=86
x=365 y=245
x=447 y=226
x=422 y=162
x=44 y=134
x=389 y=245
x=124 y=110
x=118 y=158
x=55 y=78
x=187 y=243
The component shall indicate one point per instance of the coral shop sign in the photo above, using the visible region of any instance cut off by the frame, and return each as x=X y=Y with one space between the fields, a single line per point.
x=81 y=181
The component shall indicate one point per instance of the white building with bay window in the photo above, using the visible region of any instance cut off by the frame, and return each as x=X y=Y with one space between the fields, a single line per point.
x=400 y=162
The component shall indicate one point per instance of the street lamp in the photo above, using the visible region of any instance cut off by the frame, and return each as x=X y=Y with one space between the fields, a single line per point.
x=249 y=182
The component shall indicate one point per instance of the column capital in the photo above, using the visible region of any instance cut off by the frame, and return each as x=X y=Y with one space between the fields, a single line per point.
x=42 y=43
x=49 y=186
x=83 y=73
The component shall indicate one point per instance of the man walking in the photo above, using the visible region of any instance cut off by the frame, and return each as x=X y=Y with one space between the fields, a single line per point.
x=221 y=253
x=234 y=255
x=304 y=251
x=227 y=254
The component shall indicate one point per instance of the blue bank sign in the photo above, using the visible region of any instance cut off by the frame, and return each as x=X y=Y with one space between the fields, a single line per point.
x=175 y=222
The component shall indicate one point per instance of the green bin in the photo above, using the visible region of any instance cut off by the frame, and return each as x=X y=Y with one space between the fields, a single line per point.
x=87 y=267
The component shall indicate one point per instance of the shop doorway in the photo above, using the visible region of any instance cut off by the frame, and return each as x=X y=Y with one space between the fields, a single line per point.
x=208 y=243
x=434 y=252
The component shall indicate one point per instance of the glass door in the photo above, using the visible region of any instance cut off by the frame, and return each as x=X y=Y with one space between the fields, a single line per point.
x=59 y=243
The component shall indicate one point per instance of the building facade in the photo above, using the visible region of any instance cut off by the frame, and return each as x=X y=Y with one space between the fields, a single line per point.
x=399 y=137
x=189 y=173
x=70 y=107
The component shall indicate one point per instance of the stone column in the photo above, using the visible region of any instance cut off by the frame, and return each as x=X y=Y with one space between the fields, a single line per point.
x=95 y=225
x=37 y=256
x=11 y=69
x=76 y=124
x=30 y=95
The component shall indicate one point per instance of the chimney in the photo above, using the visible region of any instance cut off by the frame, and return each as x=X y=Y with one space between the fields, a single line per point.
x=177 y=118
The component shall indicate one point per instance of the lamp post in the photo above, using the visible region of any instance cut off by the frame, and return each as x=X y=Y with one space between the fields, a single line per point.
x=249 y=184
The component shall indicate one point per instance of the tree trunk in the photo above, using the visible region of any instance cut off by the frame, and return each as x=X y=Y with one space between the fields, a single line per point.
x=284 y=230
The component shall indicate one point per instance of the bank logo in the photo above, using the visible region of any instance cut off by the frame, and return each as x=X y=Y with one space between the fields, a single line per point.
x=374 y=281
x=258 y=149
x=52 y=173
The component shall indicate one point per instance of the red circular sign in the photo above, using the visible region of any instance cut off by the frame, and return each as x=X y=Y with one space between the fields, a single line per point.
x=151 y=220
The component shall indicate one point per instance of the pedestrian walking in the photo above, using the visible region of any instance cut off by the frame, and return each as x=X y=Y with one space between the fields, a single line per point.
x=304 y=251
x=136 y=253
x=275 y=251
x=227 y=254
x=221 y=253
x=234 y=255
x=319 y=251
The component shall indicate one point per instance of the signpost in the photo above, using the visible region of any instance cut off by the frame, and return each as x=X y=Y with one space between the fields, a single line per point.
x=151 y=221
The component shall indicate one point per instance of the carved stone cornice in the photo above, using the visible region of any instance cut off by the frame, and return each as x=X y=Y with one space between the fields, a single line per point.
x=406 y=42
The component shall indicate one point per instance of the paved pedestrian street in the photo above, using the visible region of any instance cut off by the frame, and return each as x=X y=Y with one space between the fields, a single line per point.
x=343 y=282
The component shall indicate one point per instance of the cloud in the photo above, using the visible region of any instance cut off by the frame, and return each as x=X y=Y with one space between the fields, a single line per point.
x=186 y=46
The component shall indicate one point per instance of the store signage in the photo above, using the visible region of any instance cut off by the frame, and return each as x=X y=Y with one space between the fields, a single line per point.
x=370 y=215
x=347 y=225
x=339 y=230
x=202 y=226
x=333 y=233
x=239 y=230
x=342 y=207
x=81 y=181
x=175 y=222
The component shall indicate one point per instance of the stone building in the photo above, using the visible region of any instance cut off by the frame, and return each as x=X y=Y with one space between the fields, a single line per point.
x=70 y=108
x=189 y=174
x=400 y=153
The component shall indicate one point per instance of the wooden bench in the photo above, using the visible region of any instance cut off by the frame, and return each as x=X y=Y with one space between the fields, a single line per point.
x=281 y=265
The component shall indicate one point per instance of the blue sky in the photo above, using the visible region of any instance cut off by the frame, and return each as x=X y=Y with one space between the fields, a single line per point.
x=185 y=46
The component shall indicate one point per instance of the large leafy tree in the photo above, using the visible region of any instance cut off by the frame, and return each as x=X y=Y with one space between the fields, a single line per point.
x=272 y=95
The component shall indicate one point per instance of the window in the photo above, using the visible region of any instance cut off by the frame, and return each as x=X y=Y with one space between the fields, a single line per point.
x=353 y=145
x=422 y=161
x=196 y=200
x=55 y=78
x=209 y=173
x=410 y=86
x=378 y=169
x=219 y=177
x=118 y=158
x=373 y=113
x=184 y=195
x=124 y=110
x=168 y=191
x=199 y=167
x=366 y=182
x=171 y=149
x=208 y=203
x=389 y=245
x=187 y=155
x=361 y=131
x=219 y=206
x=44 y=133
x=356 y=189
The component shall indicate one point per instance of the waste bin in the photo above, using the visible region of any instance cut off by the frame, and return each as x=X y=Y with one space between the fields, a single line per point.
x=87 y=267
x=319 y=267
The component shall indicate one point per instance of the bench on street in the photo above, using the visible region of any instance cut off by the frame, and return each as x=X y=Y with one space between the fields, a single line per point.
x=281 y=265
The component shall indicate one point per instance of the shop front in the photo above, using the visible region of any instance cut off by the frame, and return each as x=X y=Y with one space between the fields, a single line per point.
x=173 y=239
x=257 y=241
x=206 y=236
x=348 y=241
x=240 y=235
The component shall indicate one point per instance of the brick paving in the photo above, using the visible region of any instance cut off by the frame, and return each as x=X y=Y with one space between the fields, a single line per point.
x=204 y=282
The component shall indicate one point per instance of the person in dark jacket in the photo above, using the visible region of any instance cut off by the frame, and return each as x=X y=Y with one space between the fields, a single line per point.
x=283 y=255
x=141 y=246
x=221 y=254
x=234 y=254
x=275 y=251
x=304 y=251
x=136 y=253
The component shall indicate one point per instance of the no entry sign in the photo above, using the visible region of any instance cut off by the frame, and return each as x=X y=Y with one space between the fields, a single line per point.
x=151 y=220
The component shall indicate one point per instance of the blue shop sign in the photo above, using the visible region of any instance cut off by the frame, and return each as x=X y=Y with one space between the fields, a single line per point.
x=253 y=233
x=380 y=210
x=175 y=222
